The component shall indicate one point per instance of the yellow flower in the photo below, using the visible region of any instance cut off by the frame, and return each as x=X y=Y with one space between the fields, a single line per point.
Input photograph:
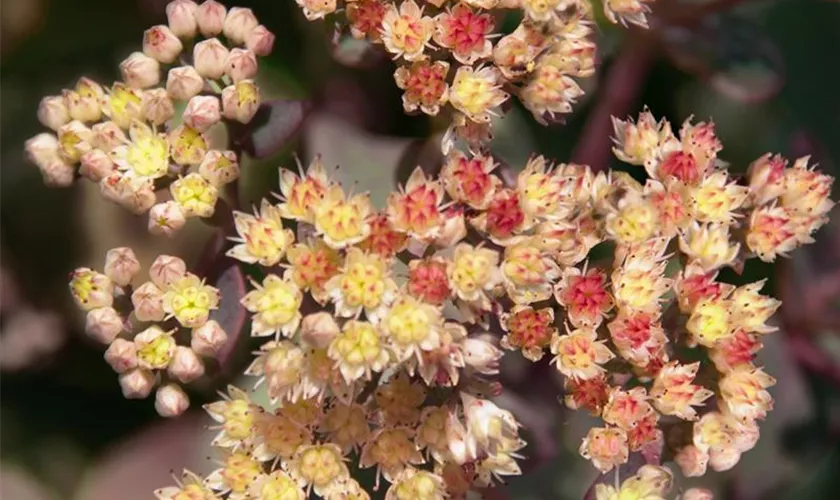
x=123 y=105
x=146 y=156
x=276 y=307
x=341 y=221
x=359 y=350
x=413 y=484
x=190 y=301
x=674 y=394
x=708 y=245
x=195 y=195
x=412 y=326
x=651 y=482
x=744 y=394
x=473 y=271
x=391 y=451
x=635 y=221
x=238 y=472
x=710 y=322
x=528 y=272
x=279 y=364
x=639 y=284
x=236 y=415
x=276 y=486
x=364 y=283
x=751 y=310
x=262 y=237
x=90 y=289
x=477 y=93
x=312 y=265
x=579 y=354
x=715 y=200
x=188 y=145
x=189 y=487
x=155 y=348
x=320 y=466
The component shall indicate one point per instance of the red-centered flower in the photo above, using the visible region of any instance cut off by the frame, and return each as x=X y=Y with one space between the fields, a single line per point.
x=465 y=32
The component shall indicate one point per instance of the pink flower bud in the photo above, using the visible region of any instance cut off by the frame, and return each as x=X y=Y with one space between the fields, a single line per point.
x=241 y=65
x=219 y=167
x=238 y=23
x=121 y=355
x=96 y=164
x=166 y=269
x=241 y=101
x=58 y=174
x=171 y=401
x=159 y=42
x=157 y=106
x=166 y=218
x=53 y=112
x=202 y=112
x=107 y=135
x=482 y=355
x=209 y=57
x=137 y=383
x=208 y=339
x=42 y=149
x=180 y=15
x=103 y=324
x=147 y=300
x=210 y=16
x=319 y=329
x=692 y=461
x=183 y=82
x=121 y=265
x=185 y=366
x=260 y=41
x=697 y=494
x=140 y=71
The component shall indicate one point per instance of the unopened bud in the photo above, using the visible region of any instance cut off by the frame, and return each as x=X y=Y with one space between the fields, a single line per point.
x=157 y=106
x=209 y=57
x=147 y=300
x=161 y=43
x=74 y=141
x=180 y=15
x=121 y=265
x=137 y=383
x=103 y=324
x=692 y=461
x=166 y=219
x=238 y=23
x=260 y=41
x=96 y=164
x=107 y=135
x=185 y=366
x=42 y=149
x=166 y=269
x=85 y=102
x=454 y=228
x=57 y=173
x=140 y=71
x=171 y=401
x=210 y=16
x=697 y=494
x=208 y=339
x=53 y=112
x=319 y=329
x=724 y=459
x=183 y=82
x=241 y=101
x=219 y=167
x=121 y=355
x=202 y=112
x=138 y=197
x=482 y=355
x=241 y=64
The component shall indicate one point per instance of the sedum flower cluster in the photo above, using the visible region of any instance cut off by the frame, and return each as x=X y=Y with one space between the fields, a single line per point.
x=132 y=138
x=450 y=53
x=381 y=328
x=142 y=325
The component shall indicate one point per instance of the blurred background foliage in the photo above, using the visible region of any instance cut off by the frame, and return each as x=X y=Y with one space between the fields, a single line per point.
x=766 y=71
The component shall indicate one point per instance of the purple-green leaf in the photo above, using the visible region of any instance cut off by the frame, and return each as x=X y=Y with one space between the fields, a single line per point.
x=231 y=314
x=274 y=126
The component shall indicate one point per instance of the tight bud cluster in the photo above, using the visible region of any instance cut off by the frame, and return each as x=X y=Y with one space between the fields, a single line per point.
x=141 y=325
x=128 y=137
